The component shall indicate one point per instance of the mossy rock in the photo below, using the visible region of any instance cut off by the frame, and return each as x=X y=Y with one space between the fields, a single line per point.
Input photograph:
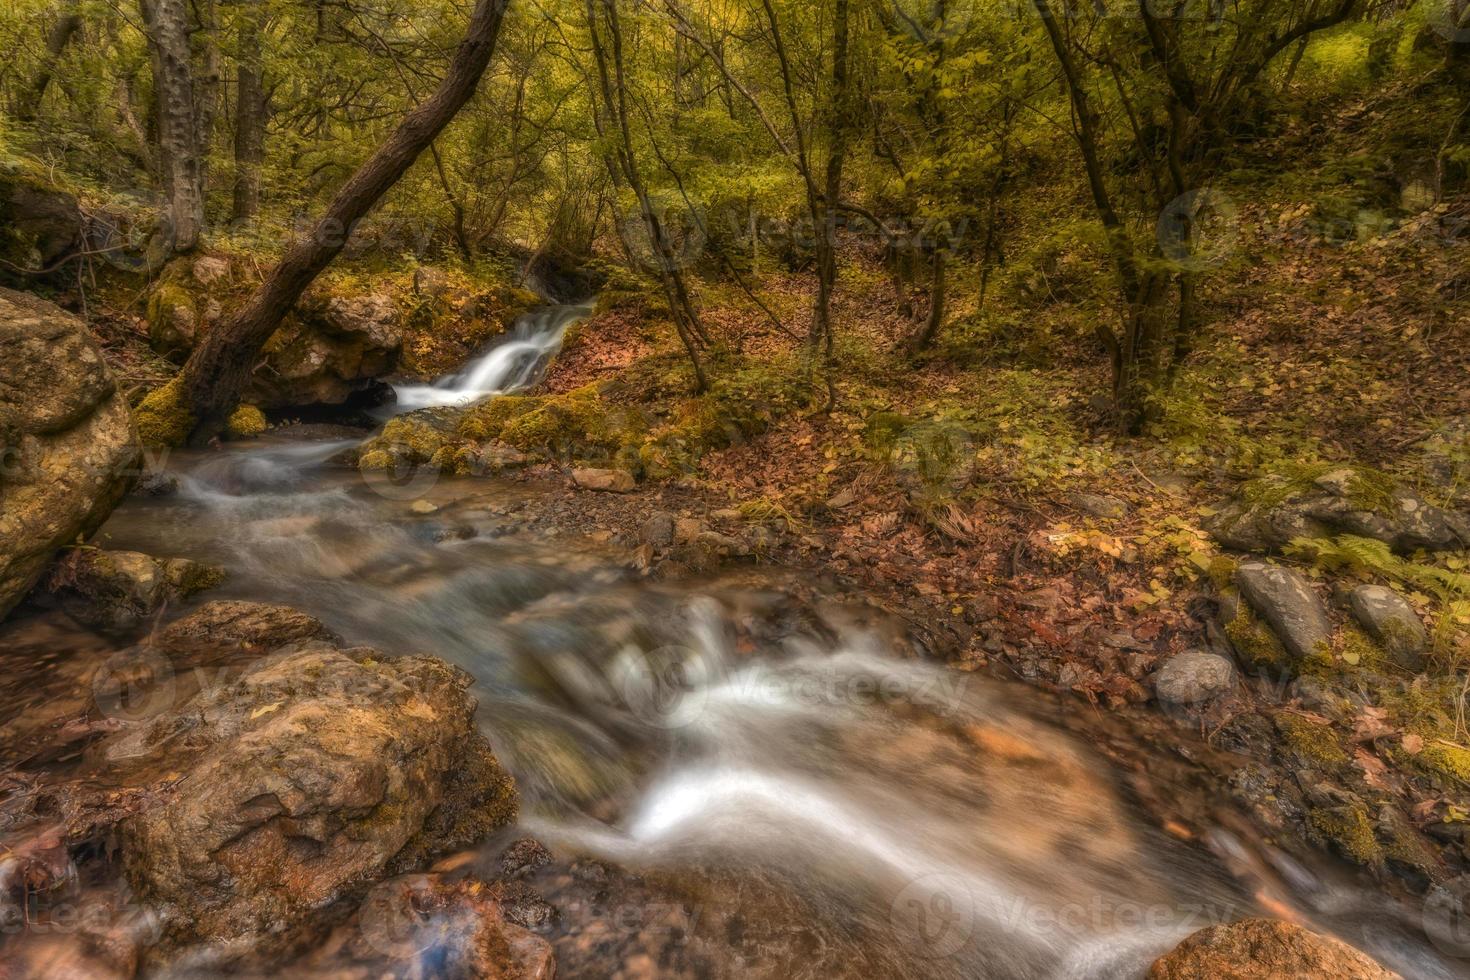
x=1349 y=830
x=1257 y=644
x=173 y=319
x=163 y=418
x=1446 y=760
x=1311 y=742
x=486 y=421
x=246 y=422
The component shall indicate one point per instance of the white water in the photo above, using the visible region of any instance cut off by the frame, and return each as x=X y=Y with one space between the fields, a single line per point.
x=510 y=365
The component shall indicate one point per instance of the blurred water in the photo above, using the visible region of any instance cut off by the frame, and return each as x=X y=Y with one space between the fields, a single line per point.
x=509 y=365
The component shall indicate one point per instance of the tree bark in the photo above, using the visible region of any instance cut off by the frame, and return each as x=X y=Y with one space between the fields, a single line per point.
x=251 y=112
x=221 y=365
x=57 y=40
x=167 y=23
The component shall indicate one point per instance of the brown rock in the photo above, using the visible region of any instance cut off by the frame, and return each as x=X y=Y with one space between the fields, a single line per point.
x=67 y=442
x=606 y=481
x=246 y=624
x=1264 y=949
x=316 y=772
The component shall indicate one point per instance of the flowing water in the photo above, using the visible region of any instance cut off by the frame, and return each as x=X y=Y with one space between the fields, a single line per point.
x=511 y=365
x=810 y=797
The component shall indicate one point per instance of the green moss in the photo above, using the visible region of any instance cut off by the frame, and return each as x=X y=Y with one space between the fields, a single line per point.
x=1349 y=830
x=163 y=418
x=1256 y=643
x=375 y=460
x=1447 y=760
x=579 y=423
x=1310 y=741
x=488 y=419
x=1221 y=571
x=246 y=422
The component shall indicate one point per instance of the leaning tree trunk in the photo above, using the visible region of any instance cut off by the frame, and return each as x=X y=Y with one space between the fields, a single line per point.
x=178 y=120
x=57 y=39
x=250 y=113
x=221 y=365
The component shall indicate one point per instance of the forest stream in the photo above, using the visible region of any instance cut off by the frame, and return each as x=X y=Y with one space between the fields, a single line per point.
x=759 y=787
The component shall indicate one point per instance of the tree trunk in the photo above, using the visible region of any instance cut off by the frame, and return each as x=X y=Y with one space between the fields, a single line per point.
x=937 y=289
x=57 y=39
x=251 y=113
x=167 y=23
x=221 y=365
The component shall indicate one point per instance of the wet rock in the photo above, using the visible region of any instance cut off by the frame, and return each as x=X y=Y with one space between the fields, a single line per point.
x=1389 y=619
x=407 y=923
x=1193 y=677
x=411 y=440
x=524 y=857
x=156 y=485
x=1343 y=501
x=423 y=507
x=117 y=591
x=67 y=442
x=658 y=531
x=1097 y=505
x=1409 y=855
x=246 y=624
x=1264 y=949
x=1284 y=600
x=497 y=457
x=606 y=481
x=314 y=773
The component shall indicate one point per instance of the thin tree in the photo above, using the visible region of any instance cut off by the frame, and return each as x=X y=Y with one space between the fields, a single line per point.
x=179 y=139
x=220 y=367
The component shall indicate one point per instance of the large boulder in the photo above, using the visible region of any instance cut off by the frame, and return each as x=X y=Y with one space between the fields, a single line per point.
x=315 y=773
x=1285 y=600
x=1343 y=501
x=67 y=442
x=331 y=349
x=1264 y=949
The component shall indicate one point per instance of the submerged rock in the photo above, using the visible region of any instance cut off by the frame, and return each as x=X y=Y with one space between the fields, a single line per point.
x=1389 y=619
x=315 y=773
x=245 y=624
x=460 y=926
x=1282 y=597
x=118 y=590
x=67 y=442
x=1264 y=949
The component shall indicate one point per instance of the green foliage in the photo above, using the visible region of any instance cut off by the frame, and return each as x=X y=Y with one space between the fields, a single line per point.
x=1368 y=558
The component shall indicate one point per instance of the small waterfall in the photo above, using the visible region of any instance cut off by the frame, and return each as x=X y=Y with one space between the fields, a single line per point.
x=512 y=364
